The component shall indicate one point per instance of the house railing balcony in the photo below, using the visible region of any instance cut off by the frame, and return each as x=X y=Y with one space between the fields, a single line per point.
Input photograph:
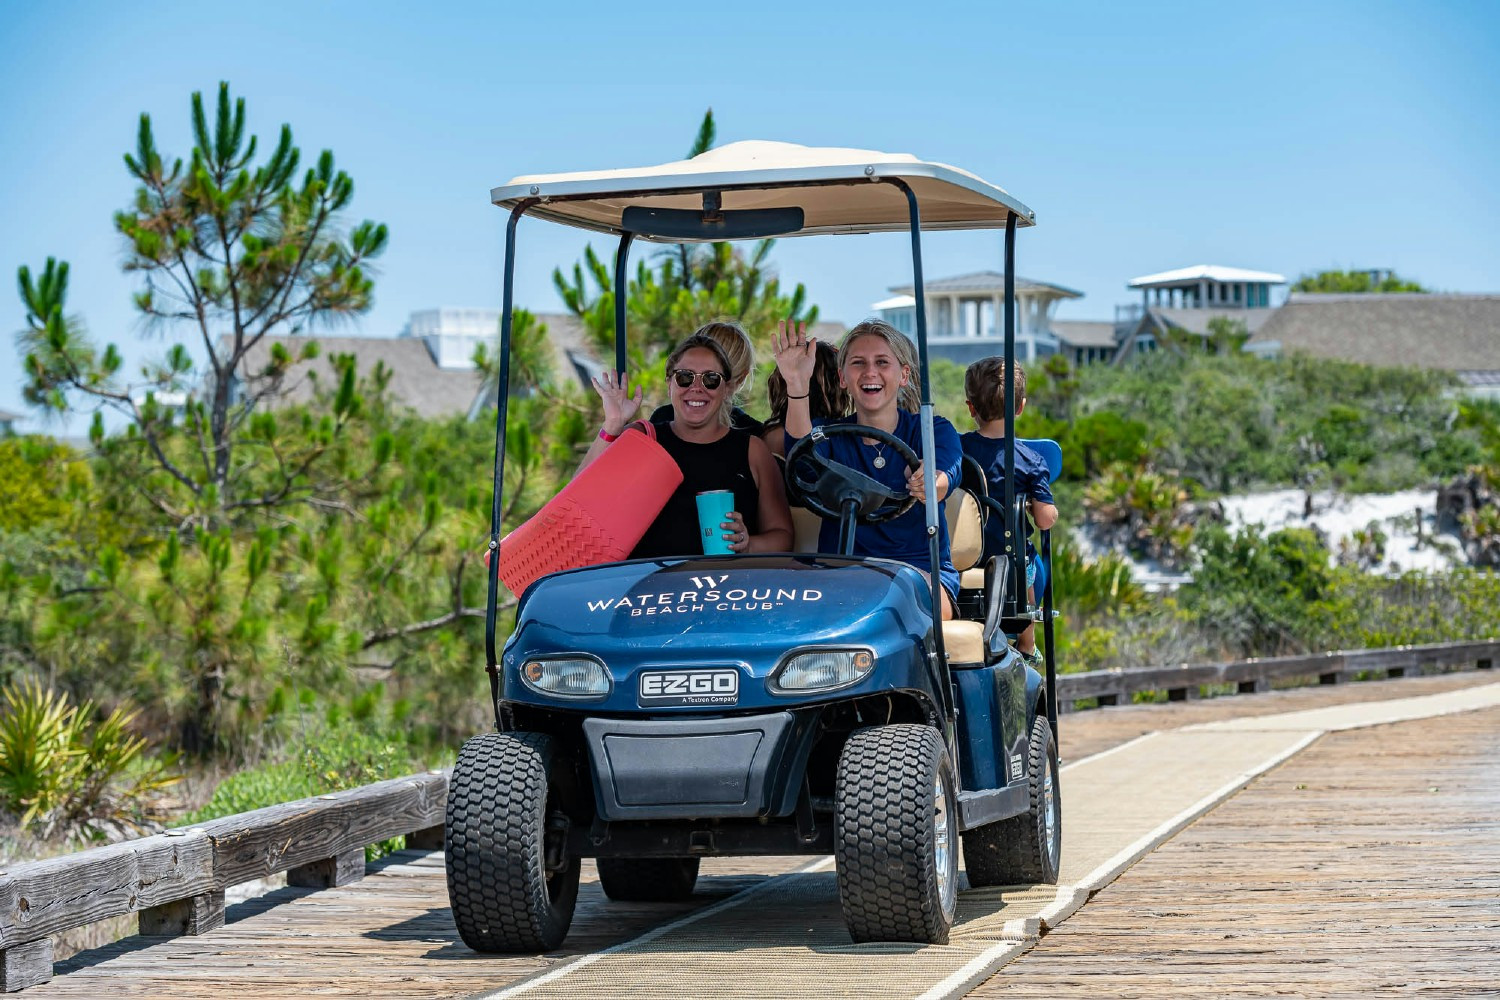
x=995 y=333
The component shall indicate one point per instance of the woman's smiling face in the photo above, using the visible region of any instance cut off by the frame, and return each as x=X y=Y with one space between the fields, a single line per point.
x=696 y=406
x=872 y=374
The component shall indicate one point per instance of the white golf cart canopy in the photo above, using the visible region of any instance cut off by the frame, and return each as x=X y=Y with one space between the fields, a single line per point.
x=831 y=187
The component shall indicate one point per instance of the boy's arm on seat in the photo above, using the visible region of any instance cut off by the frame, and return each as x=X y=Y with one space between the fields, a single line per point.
x=1043 y=515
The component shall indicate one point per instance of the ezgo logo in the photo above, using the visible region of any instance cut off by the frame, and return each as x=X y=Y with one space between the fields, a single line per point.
x=689 y=687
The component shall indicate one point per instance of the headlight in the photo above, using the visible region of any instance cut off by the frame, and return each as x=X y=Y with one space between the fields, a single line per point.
x=573 y=677
x=823 y=670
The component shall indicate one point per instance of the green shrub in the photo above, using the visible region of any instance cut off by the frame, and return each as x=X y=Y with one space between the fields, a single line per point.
x=1255 y=590
x=319 y=755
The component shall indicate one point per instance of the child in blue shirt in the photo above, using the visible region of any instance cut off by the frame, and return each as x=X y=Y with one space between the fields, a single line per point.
x=984 y=389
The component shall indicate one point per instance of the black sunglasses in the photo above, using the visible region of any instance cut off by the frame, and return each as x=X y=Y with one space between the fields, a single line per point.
x=684 y=377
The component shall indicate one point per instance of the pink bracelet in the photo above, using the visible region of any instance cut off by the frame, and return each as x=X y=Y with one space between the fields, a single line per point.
x=607 y=437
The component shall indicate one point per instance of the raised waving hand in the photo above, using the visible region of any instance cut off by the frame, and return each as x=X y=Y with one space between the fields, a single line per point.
x=619 y=406
x=796 y=356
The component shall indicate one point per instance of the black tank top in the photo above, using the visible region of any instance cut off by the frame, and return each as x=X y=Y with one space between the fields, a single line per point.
x=722 y=465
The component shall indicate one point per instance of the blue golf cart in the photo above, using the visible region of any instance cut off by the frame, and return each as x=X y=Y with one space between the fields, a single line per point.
x=653 y=712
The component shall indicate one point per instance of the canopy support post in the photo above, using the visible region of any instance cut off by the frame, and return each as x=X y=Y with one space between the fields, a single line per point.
x=502 y=393
x=1014 y=546
x=929 y=449
x=1047 y=634
x=622 y=293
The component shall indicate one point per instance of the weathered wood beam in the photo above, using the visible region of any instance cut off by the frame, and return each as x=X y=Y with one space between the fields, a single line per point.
x=1112 y=687
x=191 y=916
x=279 y=838
x=175 y=881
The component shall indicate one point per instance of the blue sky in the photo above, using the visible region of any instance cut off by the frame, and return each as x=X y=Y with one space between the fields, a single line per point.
x=1279 y=136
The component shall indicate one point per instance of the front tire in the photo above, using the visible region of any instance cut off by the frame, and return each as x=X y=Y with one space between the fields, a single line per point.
x=896 y=835
x=648 y=880
x=1025 y=849
x=503 y=894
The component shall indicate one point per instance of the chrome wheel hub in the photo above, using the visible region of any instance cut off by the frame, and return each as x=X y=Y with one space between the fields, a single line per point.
x=1049 y=813
x=944 y=858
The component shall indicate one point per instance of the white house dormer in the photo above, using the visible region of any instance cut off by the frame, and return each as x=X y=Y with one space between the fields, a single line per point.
x=1187 y=300
x=965 y=315
x=451 y=334
x=1207 y=286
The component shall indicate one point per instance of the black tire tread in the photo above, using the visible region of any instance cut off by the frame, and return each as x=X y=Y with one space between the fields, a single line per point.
x=648 y=880
x=497 y=888
x=882 y=831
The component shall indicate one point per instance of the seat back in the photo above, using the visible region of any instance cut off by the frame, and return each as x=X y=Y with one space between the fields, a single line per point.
x=965 y=529
x=805 y=528
x=1050 y=452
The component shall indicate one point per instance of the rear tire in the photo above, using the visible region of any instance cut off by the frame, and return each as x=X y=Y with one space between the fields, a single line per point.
x=495 y=845
x=648 y=880
x=896 y=835
x=1025 y=849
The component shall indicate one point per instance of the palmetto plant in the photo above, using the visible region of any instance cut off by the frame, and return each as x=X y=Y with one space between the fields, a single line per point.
x=61 y=771
x=1145 y=510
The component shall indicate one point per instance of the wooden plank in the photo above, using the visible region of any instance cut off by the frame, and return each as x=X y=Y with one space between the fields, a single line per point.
x=176 y=879
x=171 y=866
x=1365 y=866
x=42 y=898
x=1112 y=687
x=47 y=897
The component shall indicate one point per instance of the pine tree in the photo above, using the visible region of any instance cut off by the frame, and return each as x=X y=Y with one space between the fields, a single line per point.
x=230 y=252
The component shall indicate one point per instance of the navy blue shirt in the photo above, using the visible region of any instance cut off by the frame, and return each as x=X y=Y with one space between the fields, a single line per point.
x=1033 y=480
x=905 y=537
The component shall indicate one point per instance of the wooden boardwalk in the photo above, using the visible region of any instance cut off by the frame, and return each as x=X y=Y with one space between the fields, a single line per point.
x=1367 y=865
x=391 y=933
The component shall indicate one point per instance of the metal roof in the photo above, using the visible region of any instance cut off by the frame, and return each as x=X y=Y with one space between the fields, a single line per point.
x=831 y=185
x=1202 y=272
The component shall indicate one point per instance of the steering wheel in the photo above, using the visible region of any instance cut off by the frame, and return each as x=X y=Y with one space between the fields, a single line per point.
x=824 y=486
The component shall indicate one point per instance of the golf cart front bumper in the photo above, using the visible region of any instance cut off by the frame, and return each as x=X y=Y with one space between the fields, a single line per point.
x=697 y=768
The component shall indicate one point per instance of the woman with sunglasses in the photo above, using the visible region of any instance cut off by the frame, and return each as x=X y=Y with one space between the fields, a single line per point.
x=740 y=351
x=711 y=454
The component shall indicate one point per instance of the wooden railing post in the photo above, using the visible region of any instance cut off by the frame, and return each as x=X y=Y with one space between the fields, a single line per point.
x=325 y=873
x=24 y=965
x=184 y=917
x=430 y=839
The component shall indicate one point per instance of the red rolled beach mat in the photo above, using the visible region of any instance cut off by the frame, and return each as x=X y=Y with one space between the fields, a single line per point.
x=598 y=517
